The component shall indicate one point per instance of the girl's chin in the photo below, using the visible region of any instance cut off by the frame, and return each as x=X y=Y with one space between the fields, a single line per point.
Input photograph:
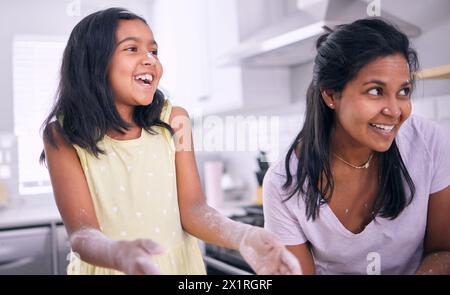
x=144 y=101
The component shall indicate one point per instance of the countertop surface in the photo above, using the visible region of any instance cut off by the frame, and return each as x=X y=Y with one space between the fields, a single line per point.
x=31 y=211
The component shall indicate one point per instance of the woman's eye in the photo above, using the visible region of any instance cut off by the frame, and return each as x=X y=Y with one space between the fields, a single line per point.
x=375 y=91
x=405 y=91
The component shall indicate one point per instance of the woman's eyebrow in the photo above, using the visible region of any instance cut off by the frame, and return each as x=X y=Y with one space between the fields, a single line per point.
x=382 y=83
x=136 y=39
x=375 y=82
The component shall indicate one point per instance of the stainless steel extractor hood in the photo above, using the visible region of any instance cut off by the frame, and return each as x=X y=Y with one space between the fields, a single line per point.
x=292 y=40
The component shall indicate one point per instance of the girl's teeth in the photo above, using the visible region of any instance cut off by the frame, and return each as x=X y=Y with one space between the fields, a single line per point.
x=146 y=77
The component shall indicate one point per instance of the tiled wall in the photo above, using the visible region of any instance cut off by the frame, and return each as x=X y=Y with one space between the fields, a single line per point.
x=436 y=108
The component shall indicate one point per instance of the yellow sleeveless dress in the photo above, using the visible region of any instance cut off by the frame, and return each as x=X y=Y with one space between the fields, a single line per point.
x=133 y=188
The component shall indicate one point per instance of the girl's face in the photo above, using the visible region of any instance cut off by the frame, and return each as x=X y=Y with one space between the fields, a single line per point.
x=135 y=70
x=373 y=106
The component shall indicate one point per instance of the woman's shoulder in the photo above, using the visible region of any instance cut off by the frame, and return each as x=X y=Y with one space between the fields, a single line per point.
x=420 y=133
x=277 y=171
x=421 y=142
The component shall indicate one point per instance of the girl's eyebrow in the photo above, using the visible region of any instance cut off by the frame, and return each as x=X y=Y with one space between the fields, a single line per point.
x=136 y=39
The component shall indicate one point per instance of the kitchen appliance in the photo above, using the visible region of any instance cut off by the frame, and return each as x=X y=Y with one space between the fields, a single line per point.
x=291 y=40
x=254 y=216
x=8 y=168
x=213 y=183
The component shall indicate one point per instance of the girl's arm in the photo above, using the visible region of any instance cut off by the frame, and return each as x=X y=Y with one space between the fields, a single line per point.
x=77 y=211
x=437 y=238
x=260 y=248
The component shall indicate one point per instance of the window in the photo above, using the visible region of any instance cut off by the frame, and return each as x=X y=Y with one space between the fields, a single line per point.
x=36 y=65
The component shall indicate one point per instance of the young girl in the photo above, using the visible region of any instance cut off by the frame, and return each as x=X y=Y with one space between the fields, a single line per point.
x=128 y=192
x=365 y=188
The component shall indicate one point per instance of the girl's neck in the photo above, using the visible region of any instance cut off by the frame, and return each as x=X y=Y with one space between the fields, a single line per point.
x=126 y=113
x=131 y=133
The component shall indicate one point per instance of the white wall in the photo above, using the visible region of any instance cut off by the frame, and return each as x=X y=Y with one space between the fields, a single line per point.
x=432 y=97
x=45 y=17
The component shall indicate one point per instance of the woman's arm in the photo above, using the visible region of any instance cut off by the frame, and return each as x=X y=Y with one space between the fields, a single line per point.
x=304 y=257
x=77 y=211
x=261 y=249
x=437 y=239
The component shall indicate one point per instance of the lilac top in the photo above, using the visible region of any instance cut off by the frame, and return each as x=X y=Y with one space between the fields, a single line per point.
x=384 y=246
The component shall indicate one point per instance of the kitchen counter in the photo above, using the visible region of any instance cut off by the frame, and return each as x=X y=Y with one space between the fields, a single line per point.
x=29 y=212
x=235 y=207
x=42 y=210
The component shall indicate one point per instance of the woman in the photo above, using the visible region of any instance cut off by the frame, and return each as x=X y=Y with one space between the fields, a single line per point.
x=365 y=187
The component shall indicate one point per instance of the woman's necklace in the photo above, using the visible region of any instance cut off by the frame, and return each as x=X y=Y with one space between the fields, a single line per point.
x=364 y=166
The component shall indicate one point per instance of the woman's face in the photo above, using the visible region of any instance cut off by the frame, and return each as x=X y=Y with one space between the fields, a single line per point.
x=134 y=74
x=373 y=105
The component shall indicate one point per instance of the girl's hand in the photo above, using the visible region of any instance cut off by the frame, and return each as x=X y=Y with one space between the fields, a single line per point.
x=135 y=257
x=266 y=254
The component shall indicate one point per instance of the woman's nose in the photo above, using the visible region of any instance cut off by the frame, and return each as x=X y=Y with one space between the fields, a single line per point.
x=392 y=108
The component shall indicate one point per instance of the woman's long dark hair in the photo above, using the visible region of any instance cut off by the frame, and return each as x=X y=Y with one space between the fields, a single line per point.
x=340 y=56
x=84 y=99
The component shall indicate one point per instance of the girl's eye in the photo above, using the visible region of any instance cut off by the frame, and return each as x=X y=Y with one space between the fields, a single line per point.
x=405 y=91
x=154 y=52
x=132 y=49
x=375 y=91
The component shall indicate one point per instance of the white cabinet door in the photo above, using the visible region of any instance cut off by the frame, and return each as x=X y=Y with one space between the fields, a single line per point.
x=193 y=37
x=238 y=87
x=180 y=28
x=226 y=81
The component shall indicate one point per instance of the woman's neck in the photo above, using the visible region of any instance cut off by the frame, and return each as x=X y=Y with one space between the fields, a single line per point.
x=348 y=149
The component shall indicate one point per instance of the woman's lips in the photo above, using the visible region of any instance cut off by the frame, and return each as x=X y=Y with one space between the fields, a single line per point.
x=384 y=131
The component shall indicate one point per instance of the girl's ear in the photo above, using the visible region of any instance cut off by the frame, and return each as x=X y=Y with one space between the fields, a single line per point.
x=329 y=97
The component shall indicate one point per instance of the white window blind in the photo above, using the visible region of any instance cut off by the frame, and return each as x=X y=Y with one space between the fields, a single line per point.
x=36 y=64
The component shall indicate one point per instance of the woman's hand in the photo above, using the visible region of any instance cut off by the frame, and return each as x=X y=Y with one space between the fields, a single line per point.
x=135 y=257
x=266 y=254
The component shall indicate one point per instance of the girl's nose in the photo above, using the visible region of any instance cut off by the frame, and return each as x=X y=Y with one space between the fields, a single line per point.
x=149 y=58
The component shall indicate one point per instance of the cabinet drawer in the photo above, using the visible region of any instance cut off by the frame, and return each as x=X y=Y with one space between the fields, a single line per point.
x=26 y=251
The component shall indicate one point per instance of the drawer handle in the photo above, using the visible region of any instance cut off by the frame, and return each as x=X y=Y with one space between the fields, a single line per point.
x=16 y=263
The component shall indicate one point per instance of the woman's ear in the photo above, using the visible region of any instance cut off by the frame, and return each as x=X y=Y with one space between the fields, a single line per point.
x=329 y=97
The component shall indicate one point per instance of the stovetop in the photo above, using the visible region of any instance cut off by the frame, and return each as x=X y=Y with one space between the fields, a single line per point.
x=253 y=216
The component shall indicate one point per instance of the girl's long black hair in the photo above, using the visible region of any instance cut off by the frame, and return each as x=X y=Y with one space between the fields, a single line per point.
x=340 y=56
x=84 y=100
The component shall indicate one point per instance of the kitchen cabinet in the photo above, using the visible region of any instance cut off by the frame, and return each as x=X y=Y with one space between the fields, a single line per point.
x=26 y=251
x=237 y=87
x=39 y=250
x=180 y=28
x=193 y=37
x=33 y=239
x=62 y=249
